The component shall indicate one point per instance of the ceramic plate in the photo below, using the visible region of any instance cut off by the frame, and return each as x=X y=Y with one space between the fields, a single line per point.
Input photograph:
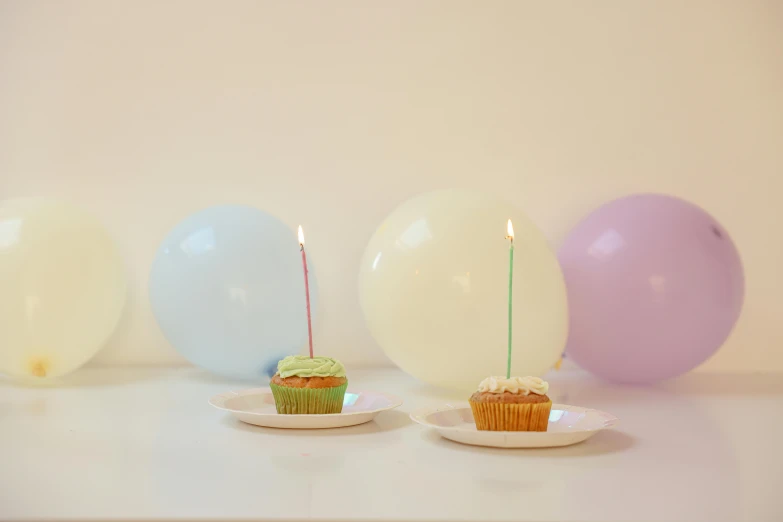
x=257 y=406
x=567 y=425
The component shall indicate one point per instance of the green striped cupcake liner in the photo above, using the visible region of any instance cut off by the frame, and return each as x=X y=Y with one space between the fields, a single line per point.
x=297 y=401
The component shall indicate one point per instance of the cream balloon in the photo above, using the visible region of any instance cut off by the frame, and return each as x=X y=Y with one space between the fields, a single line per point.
x=433 y=287
x=62 y=287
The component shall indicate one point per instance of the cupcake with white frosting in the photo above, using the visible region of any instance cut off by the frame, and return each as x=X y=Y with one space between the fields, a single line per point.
x=511 y=404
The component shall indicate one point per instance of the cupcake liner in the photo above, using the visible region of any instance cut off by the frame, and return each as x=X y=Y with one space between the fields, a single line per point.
x=296 y=401
x=495 y=416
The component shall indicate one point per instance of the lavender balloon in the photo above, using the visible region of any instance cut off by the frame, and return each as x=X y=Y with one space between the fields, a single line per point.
x=655 y=286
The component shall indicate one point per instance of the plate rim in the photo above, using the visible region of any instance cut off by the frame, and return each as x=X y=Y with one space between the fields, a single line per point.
x=419 y=414
x=218 y=401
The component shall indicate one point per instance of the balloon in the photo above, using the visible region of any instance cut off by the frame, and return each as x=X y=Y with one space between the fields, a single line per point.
x=62 y=287
x=227 y=289
x=655 y=285
x=433 y=287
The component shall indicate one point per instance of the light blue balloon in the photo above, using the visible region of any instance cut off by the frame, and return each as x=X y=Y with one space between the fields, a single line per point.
x=227 y=289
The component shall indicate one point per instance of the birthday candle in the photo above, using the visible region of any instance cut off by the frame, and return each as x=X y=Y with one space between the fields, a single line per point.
x=510 y=237
x=307 y=290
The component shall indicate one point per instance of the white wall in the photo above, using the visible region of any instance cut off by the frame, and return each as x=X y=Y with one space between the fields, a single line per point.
x=329 y=114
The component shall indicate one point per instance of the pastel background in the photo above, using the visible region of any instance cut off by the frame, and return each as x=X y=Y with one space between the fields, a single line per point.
x=330 y=114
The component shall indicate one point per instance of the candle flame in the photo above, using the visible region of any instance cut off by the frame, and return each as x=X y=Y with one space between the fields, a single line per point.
x=510 y=231
x=301 y=236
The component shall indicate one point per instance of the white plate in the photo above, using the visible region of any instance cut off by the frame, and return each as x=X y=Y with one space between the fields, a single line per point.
x=257 y=406
x=567 y=425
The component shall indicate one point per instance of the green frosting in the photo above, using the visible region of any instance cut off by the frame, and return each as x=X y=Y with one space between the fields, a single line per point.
x=304 y=366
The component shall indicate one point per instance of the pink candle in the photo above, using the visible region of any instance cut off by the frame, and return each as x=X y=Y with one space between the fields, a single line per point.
x=307 y=290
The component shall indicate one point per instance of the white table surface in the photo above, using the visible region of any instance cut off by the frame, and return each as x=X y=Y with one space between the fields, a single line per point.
x=143 y=444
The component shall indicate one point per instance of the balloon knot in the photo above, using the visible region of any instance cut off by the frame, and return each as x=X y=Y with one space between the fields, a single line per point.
x=38 y=367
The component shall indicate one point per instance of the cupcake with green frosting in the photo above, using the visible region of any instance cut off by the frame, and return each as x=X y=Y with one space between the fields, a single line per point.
x=308 y=385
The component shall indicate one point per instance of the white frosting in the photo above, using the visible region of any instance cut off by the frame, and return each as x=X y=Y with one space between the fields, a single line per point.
x=523 y=385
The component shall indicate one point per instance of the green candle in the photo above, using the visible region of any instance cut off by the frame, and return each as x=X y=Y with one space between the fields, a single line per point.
x=510 y=237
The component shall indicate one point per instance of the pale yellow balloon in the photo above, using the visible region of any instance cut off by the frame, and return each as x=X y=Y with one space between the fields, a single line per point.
x=433 y=287
x=62 y=287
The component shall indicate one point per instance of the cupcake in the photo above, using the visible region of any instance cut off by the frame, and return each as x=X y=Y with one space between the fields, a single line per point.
x=513 y=404
x=306 y=384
